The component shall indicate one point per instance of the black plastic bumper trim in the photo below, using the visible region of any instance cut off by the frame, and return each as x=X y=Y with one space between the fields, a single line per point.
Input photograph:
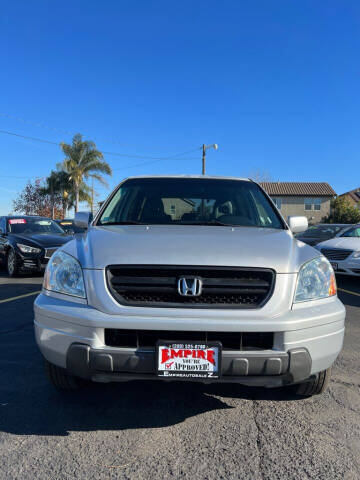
x=239 y=366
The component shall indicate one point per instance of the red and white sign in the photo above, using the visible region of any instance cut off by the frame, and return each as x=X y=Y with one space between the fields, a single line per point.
x=14 y=221
x=188 y=360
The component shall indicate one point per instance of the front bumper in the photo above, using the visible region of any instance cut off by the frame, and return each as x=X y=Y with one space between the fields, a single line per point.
x=306 y=341
x=347 y=267
x=32 y=262
x=265 y=368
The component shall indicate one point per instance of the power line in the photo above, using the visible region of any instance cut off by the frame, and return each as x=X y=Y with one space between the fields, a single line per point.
x=61 y=130
x=28 y=138
x=150 y=163
x=36 y=139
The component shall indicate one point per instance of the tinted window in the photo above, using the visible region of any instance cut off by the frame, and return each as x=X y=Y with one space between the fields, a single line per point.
x=321 y=231
x=353 y=232
x=33 y=225
x=180 y=201
x=70 y=227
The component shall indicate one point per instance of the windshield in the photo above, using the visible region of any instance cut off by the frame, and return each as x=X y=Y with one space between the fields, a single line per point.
x=322 y=231
x=70 y=227
x=352 y=232
x=33 y=225
x=190 y=201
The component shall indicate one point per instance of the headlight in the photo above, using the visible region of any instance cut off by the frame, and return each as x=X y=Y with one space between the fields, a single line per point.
x=356 y=255
x=27 y=249
x=316 y=280
x=63 y=274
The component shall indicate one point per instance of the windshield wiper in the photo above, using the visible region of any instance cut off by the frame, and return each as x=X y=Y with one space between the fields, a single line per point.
x=127 y=222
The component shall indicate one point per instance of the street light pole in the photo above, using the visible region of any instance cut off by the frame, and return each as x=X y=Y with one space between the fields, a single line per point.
x=204 y=159
x=204 y=148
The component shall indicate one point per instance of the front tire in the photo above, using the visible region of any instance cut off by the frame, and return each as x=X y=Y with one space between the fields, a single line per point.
x=316 y=385
x=60 y=379
x=12 y=264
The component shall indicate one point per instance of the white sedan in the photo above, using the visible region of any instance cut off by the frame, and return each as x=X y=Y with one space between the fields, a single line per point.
x=343 y=251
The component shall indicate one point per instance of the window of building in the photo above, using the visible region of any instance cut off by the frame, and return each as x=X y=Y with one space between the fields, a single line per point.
x=312 y=203
x=277 y=201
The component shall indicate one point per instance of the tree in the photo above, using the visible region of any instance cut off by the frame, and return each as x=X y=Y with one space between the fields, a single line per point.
x=84 y=195
x=343 y=212
x=83 y=161
x=58 y=183
x=55 y=186
x=34 y=201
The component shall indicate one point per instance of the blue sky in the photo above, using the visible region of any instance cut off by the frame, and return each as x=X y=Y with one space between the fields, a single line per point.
x=274 y=82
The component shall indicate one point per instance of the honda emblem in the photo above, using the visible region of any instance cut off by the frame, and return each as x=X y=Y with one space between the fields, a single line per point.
x=189 y=286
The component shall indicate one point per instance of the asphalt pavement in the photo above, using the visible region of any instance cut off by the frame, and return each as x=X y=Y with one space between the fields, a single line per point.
x=146 y=430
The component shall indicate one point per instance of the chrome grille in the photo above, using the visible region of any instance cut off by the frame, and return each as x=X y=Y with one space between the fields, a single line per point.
x=222 y=287
x=336 y=253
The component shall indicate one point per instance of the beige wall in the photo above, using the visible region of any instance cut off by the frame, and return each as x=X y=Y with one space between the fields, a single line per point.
x=296 y=206
x=181 y=207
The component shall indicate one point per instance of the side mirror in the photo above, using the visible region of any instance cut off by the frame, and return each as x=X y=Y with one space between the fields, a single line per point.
x=82 y=219
x=298 y=224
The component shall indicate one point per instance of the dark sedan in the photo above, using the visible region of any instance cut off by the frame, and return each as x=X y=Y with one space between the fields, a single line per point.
x=69 y=226
x=321 y=232
x=27 y=242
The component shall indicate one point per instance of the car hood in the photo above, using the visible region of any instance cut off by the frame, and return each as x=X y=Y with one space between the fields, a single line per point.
x=41 y=239
x=190 y=245
x=309 y=240
x=348 y=243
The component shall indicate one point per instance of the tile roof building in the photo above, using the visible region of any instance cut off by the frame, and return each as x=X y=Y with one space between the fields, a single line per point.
x=353 y=196
x=311 y=199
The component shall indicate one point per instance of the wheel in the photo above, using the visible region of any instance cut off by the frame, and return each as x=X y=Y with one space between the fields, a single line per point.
x=12 y=264
x=60 y=378
x=316 y=385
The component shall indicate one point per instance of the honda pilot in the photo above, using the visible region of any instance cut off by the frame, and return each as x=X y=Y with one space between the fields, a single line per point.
x=189 y=278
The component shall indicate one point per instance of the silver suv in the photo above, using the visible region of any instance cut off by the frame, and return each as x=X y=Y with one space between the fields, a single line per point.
x=190 y=278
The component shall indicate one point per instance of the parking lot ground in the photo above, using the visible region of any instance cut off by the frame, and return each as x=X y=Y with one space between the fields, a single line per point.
x=141 y=430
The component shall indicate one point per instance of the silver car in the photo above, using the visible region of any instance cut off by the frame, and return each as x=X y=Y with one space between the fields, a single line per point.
x=343 y=251
x=190 y=278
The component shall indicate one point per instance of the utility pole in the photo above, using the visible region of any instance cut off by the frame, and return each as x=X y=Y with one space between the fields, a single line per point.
x=204 y=148
x=204 y=159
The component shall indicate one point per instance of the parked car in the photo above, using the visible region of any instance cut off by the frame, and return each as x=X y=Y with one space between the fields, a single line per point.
x=321 y=232
x=190 y=278
x=27 y=242
x=68 y=225
x=343 y=251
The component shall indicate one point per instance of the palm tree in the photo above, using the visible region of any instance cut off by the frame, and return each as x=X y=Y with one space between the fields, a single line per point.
x=83 y=161
x=59 y=184
x=84 y=195
x=55 y=186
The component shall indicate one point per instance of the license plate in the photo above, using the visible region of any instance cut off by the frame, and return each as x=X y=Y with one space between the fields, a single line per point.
x=188 y=359
x=334 y=265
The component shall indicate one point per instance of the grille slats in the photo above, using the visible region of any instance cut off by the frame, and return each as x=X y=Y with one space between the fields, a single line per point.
x=336 y=253
x=222 y=287
x=148 y=338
